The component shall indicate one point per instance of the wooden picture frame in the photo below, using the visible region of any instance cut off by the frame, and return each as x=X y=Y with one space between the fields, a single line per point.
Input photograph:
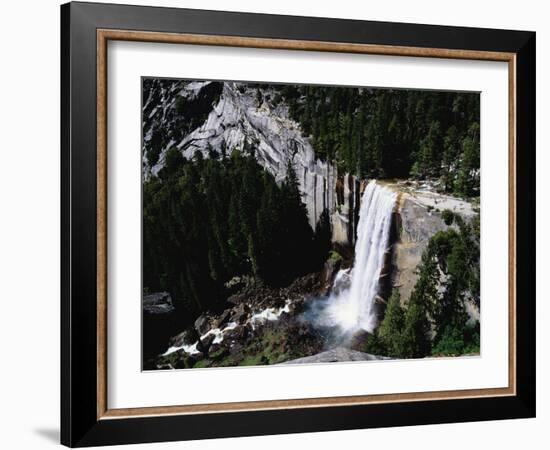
x=86 y=418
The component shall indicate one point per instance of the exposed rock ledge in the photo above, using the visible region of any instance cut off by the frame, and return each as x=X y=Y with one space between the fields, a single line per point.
x=158 y=303
x=339 y=354
x=419 y=218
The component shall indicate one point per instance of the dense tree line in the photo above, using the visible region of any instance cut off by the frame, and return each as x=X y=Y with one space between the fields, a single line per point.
x=434 y=321
x=207 y=220
x=386 y=133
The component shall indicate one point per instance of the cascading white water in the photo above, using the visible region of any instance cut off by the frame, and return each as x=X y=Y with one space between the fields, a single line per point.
x=352 y=308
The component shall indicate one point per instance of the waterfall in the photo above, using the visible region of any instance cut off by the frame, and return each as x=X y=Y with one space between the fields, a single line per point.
x=352 y=308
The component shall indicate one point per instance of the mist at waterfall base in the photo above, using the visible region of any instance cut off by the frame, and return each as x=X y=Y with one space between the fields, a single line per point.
x=350 y=307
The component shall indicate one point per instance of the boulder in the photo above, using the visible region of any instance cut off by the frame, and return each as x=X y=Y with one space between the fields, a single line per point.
x=222 y=319
x=339 y=354
x=297 y=306
x=330 y=269
x=178 y=340
x=159 y=323
x=238 y=333
x=158 y=303
x=191 y=336
x=202 y=325
x=205 y=343
x=164 y=367
x=358 y=340
x=240 y=313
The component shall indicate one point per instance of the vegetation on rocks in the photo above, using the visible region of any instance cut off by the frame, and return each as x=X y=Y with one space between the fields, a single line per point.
x=267 y=343
x=448 y=216
x=434 y=320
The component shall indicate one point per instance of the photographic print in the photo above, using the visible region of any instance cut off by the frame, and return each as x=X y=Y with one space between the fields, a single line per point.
x=300 y=224
x=264 y=198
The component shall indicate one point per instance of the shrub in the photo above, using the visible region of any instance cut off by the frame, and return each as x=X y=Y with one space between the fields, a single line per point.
x=457 y=340
x=334 y=256
x=448 y=216
x=374 y=345
x=451 y=343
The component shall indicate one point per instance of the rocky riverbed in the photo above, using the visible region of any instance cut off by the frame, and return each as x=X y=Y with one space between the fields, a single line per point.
x=261 y=326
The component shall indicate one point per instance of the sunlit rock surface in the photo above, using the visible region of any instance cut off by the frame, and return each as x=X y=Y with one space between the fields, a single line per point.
x=419 y=218
x=339 y=354
x=240 y=119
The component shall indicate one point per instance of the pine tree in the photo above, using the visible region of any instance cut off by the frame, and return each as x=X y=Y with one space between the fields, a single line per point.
x=391 y=329
x=467 y=182
x=416 y=340
x=450 y=154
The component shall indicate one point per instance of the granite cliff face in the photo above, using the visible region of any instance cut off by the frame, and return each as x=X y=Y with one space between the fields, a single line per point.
x=418 y=217
x=228 y=116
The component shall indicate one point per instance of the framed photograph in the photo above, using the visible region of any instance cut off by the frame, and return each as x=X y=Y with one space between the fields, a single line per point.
x=276 y=224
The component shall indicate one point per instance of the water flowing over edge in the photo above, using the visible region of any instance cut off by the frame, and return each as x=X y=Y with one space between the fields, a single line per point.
x=350 y=307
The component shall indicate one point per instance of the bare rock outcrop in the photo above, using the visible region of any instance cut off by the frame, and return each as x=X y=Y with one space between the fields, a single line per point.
x=418 y=218
x=233 y=119
x=339 y=354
